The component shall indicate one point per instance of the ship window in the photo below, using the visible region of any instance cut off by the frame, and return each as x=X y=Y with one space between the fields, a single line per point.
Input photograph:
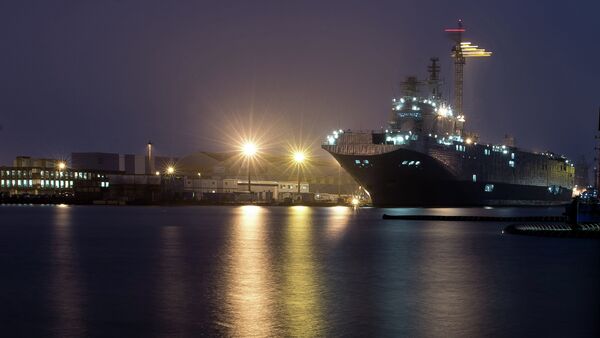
x=411 y=162
x=366 y=161
x=418 y=163
x=474 y=178
x=404 y=162
x=357 y=161
x=554 y=189
x=488 y=188
x=512 y=156
x=511 y=163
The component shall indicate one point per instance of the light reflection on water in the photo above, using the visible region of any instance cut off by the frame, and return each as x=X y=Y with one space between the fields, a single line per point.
x=172 y=286
x=337 y=221
x=302 y=290
x=66 y=295
x=247 y=281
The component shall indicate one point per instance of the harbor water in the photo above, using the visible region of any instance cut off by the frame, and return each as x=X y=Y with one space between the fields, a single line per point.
x=250 y=271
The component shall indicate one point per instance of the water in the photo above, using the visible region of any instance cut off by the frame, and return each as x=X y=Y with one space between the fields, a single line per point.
x=288 y=271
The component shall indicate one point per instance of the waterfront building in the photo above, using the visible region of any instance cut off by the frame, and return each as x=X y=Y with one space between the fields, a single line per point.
x=51 y=178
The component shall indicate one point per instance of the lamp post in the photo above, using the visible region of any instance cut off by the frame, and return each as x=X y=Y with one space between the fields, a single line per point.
x=249 y=149
x=299 y=158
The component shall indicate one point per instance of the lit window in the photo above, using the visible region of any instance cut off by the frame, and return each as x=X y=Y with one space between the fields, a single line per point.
x=366 y=161
x=474 y=178
x=418 y=163
x=357 y=161
x=411 y=162
x=489 y=188
x=404 y=162
x=511 y=163
x=512 y=156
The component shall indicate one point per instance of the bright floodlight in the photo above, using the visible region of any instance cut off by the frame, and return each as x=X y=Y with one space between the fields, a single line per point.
x=170 y=170
x=249 y=149
x=299 y=157
x=61 y=165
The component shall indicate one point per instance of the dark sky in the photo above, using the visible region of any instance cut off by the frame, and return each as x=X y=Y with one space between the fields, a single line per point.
x=108 y=76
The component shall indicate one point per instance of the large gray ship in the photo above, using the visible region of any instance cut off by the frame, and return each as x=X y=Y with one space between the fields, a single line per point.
x=425 y=157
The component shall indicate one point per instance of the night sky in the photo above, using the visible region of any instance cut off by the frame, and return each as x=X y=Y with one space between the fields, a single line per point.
x=190 y=75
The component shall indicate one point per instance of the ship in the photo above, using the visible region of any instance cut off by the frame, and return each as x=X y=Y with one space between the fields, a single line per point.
x=425 y=158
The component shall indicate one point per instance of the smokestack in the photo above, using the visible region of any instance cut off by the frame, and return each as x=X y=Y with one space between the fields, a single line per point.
x=150 y=159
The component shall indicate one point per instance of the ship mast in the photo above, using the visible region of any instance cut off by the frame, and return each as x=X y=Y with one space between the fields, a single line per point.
x=434 y=79
x=460 y=52
x=410 y=87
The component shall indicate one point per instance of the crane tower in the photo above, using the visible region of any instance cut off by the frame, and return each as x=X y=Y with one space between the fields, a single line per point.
x=460 y=52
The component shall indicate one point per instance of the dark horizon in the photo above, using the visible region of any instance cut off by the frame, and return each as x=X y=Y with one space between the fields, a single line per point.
x=195 y=75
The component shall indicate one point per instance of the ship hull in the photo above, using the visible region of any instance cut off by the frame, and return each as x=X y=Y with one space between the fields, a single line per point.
x=429 y=183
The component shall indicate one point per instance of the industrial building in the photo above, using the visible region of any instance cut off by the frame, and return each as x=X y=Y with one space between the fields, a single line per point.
x=127 y=163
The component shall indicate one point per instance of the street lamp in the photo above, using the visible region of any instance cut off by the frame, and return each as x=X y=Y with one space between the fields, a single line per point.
x=61 y=165
x=170 y=170
x=299 y=158
x=249 y=150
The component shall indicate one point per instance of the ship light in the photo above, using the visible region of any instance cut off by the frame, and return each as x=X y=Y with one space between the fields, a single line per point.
x=402 y=100
x=388 y=139
x=414 y=99
x=341 y=131
x=469 y=141
x=414 y=107
x=406 y=137
x=393 y=100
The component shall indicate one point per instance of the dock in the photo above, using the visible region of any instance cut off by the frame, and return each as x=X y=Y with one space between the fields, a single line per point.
x=477 y=218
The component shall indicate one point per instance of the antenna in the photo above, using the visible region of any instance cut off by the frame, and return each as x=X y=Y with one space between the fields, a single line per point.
x=460 y=52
